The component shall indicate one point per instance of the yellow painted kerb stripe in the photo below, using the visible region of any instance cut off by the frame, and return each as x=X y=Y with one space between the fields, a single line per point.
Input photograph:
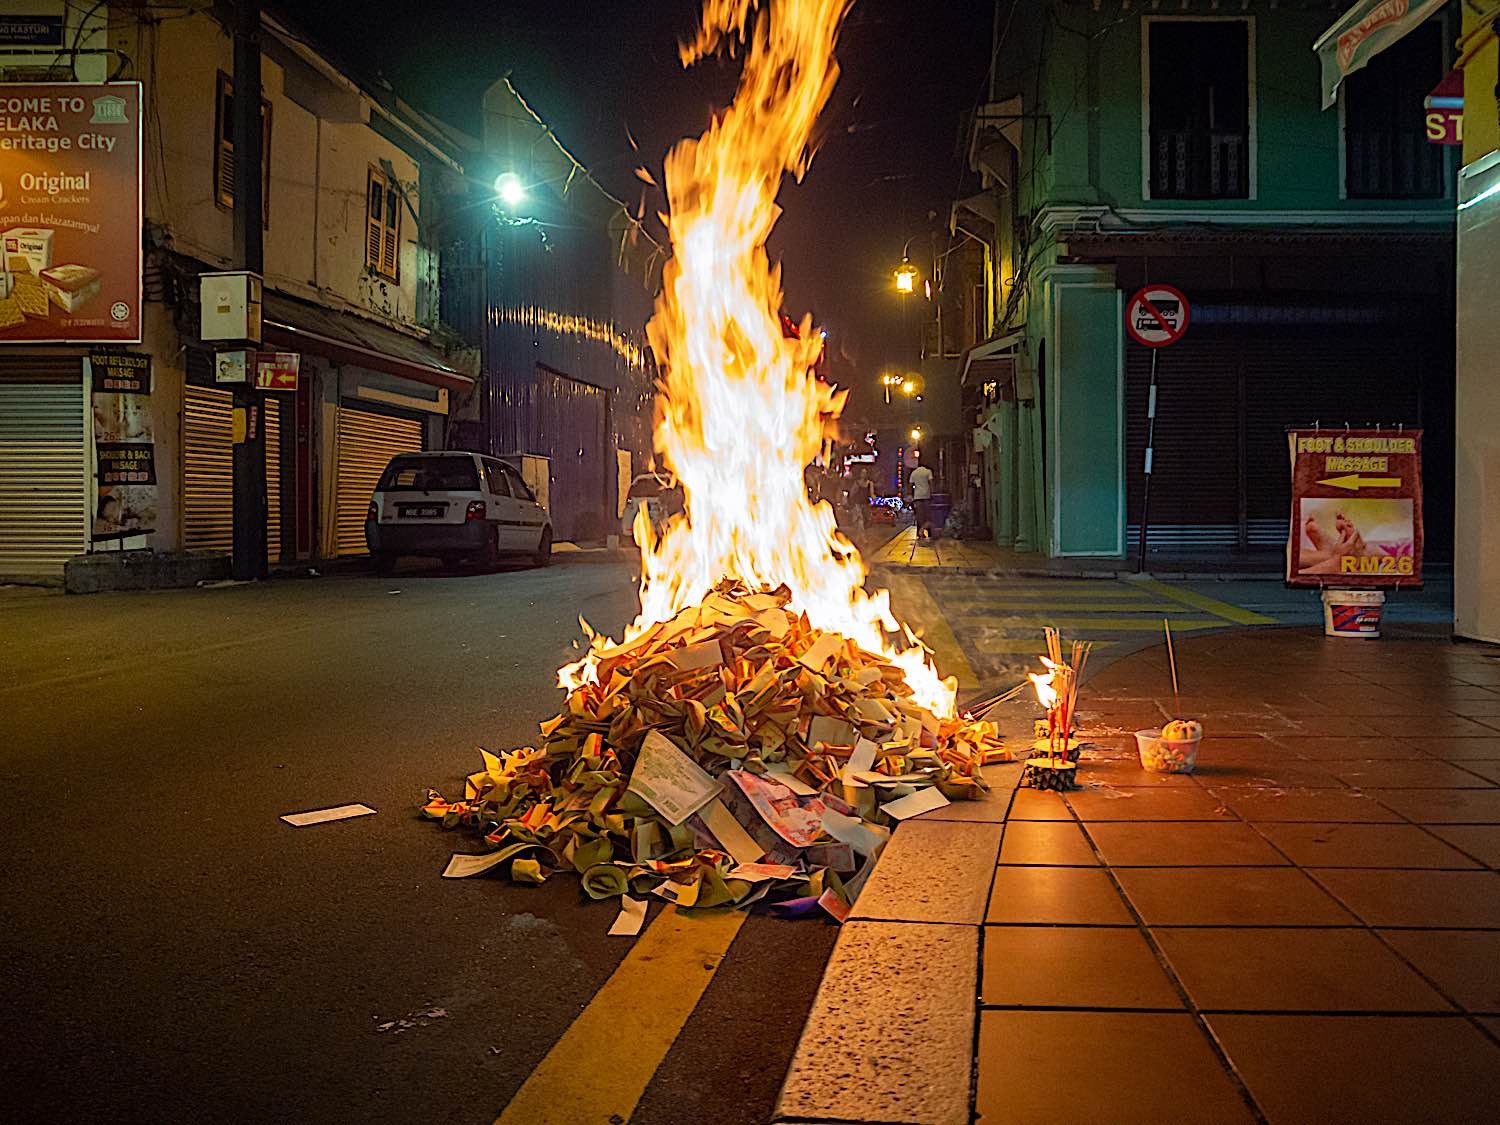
x=1206 y=604
x=914 y=605
x=598 y=1070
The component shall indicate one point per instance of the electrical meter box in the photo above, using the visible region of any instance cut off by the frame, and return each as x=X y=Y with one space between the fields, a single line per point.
x=229 y=306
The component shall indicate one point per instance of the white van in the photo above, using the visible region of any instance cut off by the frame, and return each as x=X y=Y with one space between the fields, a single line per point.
x=455 y=505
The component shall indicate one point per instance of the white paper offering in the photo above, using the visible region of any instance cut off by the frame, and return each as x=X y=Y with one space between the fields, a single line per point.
x=669 y=781
x=923 y=800
x=631 y=918
x=730 y=833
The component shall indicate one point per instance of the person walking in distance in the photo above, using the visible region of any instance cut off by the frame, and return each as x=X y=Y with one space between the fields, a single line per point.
x=921 y=497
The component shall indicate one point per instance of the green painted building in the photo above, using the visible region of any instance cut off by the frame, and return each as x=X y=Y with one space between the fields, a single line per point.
x=1184 y=143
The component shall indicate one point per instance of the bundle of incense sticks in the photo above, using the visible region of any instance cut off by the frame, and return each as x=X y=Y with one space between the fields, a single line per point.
x=1065 y=680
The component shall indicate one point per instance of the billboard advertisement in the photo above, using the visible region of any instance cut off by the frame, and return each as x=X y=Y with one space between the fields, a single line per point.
x=1356 y=508
x=70 y=213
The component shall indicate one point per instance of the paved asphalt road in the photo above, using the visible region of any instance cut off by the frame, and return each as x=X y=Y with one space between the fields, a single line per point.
x=171 y=952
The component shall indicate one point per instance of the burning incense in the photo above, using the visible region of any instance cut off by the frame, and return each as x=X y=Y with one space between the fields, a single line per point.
x=1172 y=664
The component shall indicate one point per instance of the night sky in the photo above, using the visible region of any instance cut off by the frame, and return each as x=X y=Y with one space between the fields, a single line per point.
x=602 y=72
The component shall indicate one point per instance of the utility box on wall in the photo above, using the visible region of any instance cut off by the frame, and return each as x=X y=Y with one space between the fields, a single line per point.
x=229 y=307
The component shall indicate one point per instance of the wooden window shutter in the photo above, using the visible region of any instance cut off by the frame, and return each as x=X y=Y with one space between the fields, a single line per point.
x=390 y=251
x=374 y=228
x=224 y=143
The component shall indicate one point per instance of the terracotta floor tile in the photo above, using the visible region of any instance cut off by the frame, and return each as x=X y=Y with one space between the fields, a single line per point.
x=1482 y=841
x=1362 y=845
x=1410 y=774
x=1127 y=773
x=1331 y=805
x=1309 y=970
x=1108 y=803
x=1117 y=1067
x=1073 y=967
x=1229 y=896
x=1127 y=843
x=1464 y=963
x=1037 y=804
x=1439 y=899
x=1443 y=806
x=1484 y=710
x=1436 y=727
x=1282 y=772
x=1047 y=843
x=1058 y=896
x=1487 y=769
x=1344 y=720
x=1319 y=748
x=1458 y=749
x=1364 y=1069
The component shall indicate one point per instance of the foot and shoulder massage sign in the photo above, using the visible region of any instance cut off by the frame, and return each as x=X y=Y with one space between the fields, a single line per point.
x=70 y=213
x=1356 y=508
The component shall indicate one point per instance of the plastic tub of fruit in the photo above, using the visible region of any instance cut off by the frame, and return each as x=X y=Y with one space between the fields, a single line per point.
x=1173 y=749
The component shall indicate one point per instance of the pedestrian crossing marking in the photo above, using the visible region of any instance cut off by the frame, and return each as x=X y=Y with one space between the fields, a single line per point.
x=1204 y=602
x=1031 y=605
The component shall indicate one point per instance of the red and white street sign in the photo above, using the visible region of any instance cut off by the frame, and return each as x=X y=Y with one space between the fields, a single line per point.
x=1157 y=316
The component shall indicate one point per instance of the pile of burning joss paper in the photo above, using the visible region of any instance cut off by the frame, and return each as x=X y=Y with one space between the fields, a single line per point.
x=732 y=754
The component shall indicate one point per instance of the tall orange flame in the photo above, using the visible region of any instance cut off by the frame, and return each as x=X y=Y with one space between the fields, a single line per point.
x=739 y=414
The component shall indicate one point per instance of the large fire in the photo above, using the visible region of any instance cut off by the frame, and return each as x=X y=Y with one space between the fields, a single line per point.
x=739 y=413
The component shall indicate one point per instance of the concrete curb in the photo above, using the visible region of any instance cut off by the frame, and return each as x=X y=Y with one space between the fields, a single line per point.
x=889 y=1037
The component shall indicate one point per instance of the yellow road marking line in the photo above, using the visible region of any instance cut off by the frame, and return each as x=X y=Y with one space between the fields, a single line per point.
x=967 y=608
x=1081 y=626
x=1204 y=602
x=598 y=1070
x=916 y=607
x=1094 y=589
x=1024 y=646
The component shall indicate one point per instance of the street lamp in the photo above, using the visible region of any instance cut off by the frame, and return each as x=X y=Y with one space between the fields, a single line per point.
x=888 y=380
x=906 y=277
x=510 y=190
x=916 y=435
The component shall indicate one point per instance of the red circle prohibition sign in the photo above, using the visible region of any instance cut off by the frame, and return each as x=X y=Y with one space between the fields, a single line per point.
x=1157 y=316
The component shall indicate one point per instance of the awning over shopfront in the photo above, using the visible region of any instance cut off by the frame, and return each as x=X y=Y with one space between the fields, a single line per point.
x=1361 y=33
x=298 y=326
x=993 y=359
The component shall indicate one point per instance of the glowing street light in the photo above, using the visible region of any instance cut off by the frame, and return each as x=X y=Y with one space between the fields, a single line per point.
x=916 y=434
x=510 y=190
x=887 y=381
x=906 y=277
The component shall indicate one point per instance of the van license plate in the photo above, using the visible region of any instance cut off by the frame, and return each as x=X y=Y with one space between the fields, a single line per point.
x=420 y=511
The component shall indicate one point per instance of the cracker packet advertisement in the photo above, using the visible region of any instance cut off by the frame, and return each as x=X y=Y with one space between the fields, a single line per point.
x=70 y=213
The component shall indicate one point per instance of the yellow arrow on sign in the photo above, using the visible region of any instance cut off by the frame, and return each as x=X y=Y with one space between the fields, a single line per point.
x=1354 y=482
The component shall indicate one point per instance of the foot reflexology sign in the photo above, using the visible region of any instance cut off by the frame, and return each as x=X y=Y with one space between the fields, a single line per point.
x=1356 y=508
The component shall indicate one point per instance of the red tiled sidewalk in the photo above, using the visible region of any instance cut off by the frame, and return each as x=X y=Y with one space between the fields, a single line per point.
x=1306 y=930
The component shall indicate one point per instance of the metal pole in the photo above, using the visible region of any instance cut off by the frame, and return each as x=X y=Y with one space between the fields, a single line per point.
x=249 y=452
x=1140 y=557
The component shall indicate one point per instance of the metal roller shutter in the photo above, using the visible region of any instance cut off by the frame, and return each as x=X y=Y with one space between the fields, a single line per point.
x=367 y=442
x=44 y=477
x=208 y=471
x=1225 y=399
x=1195 y=464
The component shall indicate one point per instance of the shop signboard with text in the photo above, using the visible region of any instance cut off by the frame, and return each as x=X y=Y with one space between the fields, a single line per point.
x=1356 y=508
x=70 y=213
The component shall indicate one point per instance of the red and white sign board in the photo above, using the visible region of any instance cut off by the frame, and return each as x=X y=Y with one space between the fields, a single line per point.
x=1157 y=316
x=277 y=371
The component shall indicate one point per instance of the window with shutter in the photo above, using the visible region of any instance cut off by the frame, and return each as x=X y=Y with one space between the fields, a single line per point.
x=383 y=226
x=224 y=150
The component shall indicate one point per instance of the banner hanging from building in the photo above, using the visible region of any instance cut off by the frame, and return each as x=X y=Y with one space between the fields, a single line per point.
x=1362 y=32
x=1356 y=508
x=70 y=213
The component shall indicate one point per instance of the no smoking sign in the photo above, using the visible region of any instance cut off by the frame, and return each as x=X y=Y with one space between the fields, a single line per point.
x=1157 y=316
